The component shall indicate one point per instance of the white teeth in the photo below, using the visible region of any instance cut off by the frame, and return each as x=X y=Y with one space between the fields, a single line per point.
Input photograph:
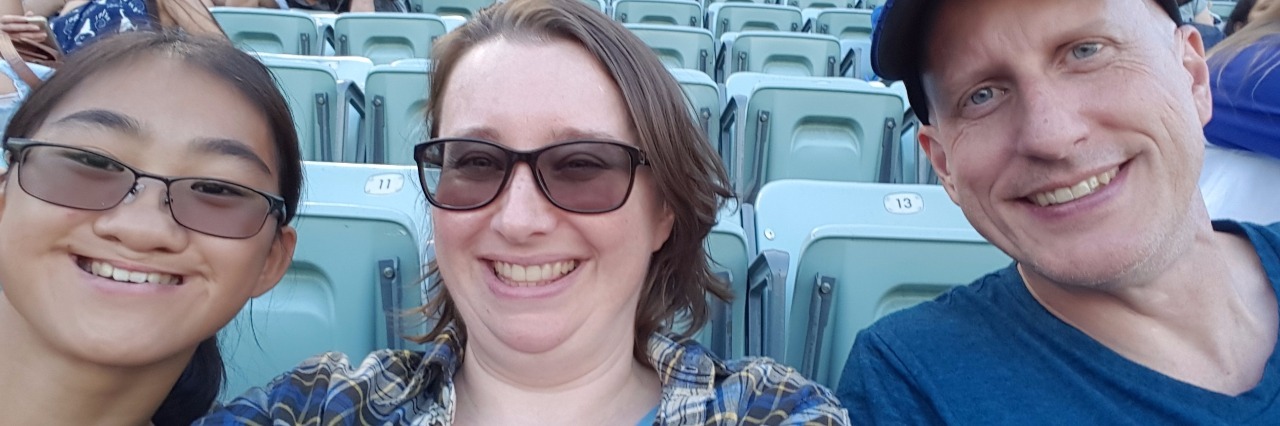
x=105 y=270
x=1073 y=192
x=532 y=275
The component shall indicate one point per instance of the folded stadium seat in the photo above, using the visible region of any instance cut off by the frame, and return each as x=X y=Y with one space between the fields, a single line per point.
x=856 y=59
x=664 y=12
x=270 y=30
x=705 y=101
x=849 y=275
x=386 y=37
x=396 y=102
x=823 y=4
x=355 y=272
x=679 y=46
x=788 y=214
x=463 y=8
x=844 y=24
x=836 y=129
x=727 y=248
x=738 y=17
x=327 y=111
x=780 y=53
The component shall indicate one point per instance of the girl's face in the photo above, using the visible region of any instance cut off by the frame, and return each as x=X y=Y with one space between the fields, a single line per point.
x=141 y=280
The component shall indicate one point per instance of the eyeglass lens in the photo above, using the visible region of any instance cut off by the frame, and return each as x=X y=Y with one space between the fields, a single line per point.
x=584 y=177
x=84 y=180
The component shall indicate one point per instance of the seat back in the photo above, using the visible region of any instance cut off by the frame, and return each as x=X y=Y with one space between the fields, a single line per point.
x=844 y=24
x=679 y=46
x=704 y=101
x=353 y=275
x=665 y=12
x=835 y=129
x=321 y=105
x=727 y=248
x=463 y=8
x=386 y=37
x=849 y=275
x=824 y=4
x=396 y=101
x=270 y=30
x=738 y=17
x=783 y=53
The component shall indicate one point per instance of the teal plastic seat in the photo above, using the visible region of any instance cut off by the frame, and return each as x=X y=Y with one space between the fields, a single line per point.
x=705 y=101
x=727 y=248
x=844 y=24
x=1222 y=8
x=463 y=8
x=326 y=111
x=664 y=12
x=396 y=101
x=677 y=46
x=270 y=30
x=738 y=17
x=835 y=129
x=781 y=53
x=822 y=4
x=386 y=37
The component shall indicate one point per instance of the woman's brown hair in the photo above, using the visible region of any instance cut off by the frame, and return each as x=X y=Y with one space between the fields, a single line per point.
x=688 y=174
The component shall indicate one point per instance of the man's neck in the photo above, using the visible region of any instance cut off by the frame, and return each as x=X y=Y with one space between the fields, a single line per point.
x=1207 y=318
x=601 y=386
x=45 y=386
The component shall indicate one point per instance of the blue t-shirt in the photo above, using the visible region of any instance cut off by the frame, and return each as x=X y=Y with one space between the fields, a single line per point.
x=988 y=353
x=1246 y=99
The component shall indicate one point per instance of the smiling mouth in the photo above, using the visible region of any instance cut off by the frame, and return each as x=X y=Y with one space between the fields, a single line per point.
x=532 y=275
x=1071 y=193
x=106 y=270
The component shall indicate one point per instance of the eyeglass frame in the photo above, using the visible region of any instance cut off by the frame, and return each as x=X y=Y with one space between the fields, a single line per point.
x=17 y=148
x=529 y=158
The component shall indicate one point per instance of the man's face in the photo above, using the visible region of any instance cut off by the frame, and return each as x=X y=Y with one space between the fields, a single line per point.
x=1069 y=131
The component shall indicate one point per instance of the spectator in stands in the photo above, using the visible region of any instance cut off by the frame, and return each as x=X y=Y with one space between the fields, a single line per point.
x=1196 y=13
x=1069 y=132
x=1239 y=16
x=572 y=191
x=1242 y=162
x=116 y=279
x=76 y=23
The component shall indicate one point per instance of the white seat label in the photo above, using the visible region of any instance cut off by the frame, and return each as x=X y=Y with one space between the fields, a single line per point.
x=386 y=183
x=903 y=203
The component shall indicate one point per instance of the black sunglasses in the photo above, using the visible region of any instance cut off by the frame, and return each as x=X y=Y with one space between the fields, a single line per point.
x=577 y=176
x=80 y=179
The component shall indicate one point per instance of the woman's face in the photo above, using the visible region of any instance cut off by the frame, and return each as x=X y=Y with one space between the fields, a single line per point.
x=130 y=286
x=590 y=268
x=1259 y=9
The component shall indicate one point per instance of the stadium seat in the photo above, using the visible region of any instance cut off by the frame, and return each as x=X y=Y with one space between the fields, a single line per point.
x=704 y=100
x=1222 y=8
x=787 y=213
x=856 y=59
x=270 y=30
x=739 y=17
x=805 y=4
x=727 y=247
x=679 y=46
x=463 y=8
x=355 y=272
x=848 y=276
x=326 y=111
x=386 y=37
x=780 y=53
x=666 y=12
x=396 y=101
x=836 y=129
x=844 y=24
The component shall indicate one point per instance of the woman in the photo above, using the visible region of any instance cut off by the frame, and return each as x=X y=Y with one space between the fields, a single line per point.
x=150 y=185
x=1242 y=160
x=572 y=192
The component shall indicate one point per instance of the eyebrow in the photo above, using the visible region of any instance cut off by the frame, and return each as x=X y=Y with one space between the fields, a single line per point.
x=104 y=118
x=234 y=148
x=583 y=134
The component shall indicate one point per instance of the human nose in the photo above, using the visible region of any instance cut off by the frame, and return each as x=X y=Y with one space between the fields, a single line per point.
x=523 y=210
x=142 y=222
x=1052 y=123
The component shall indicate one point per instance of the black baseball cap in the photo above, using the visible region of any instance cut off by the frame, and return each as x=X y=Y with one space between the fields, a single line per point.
x=897 y=45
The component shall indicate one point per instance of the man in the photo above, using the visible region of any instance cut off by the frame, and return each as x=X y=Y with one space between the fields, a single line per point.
x=1069 y=132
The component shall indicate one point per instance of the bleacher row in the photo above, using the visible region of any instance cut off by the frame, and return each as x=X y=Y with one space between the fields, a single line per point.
x=835 y=223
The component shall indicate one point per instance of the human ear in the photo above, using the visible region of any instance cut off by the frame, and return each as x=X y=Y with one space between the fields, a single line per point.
x=278 y=260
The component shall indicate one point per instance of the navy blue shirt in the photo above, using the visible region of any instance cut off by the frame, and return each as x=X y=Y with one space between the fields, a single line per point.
x=988 y=353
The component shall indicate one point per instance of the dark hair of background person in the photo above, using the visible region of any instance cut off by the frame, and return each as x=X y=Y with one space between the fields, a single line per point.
x=198 y=387
x=687 y=172
x=1266 y=24
x=1239 y=16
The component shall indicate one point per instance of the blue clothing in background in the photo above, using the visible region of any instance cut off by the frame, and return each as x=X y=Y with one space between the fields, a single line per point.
x=81 y=26
x=989 y=354
x=10 y=102
x=1246 y=99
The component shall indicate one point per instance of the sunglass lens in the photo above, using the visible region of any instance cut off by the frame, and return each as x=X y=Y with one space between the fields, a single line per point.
x=463 y=174
x=587 y=177
x=73 y=178
x=218 y=208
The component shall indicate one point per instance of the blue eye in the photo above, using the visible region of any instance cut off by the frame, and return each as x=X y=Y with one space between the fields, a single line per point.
x=1085 y=50
x=982 y=96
